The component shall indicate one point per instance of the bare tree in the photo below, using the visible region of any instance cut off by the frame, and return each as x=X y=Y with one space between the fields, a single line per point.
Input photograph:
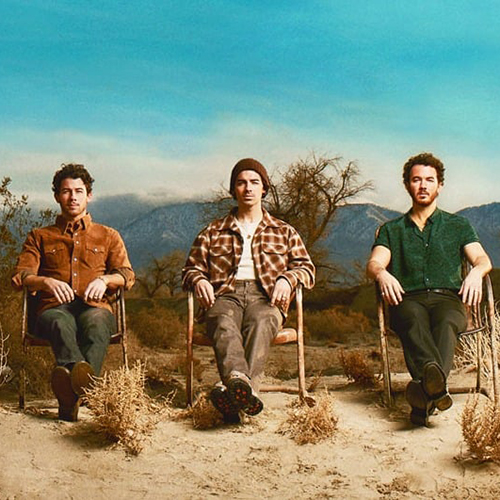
x=162 y=273
x=16 y=219
x=310 y=191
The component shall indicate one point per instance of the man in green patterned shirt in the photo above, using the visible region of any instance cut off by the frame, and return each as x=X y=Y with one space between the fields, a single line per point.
x=417 y=260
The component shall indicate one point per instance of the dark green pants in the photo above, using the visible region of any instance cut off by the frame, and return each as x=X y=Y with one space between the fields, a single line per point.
x=77 y=332
x=427 y=324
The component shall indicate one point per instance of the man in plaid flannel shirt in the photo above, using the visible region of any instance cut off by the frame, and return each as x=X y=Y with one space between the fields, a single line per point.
x=243 y=269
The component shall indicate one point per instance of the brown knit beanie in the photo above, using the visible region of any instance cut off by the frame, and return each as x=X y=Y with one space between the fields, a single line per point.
x=249 y=164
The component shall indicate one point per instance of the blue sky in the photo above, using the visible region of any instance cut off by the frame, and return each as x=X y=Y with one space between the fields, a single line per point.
x=161 y=98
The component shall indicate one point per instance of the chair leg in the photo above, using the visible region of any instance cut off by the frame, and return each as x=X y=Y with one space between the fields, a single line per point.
x=189 y=381
x=189 y=350
x=479 y=360
x=386 y=368
x=124 y=352
x=494 y=358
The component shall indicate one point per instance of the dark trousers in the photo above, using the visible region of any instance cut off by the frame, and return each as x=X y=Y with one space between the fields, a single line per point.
x=427 y=324
x=242 y=325
x=77 y=332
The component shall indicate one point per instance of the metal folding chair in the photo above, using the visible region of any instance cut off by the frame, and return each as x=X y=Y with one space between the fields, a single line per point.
x=29 y=340
x=480 y=320
x=284 y=336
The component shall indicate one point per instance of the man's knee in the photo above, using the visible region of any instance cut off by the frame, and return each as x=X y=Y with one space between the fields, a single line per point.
x=97 y=321
x=54 y=321
x=266 y=319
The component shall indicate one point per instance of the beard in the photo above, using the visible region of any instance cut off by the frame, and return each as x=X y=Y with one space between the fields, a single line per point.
x=424 y=202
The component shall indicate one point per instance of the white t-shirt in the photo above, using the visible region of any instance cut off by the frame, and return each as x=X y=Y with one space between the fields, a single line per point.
x=246 y=269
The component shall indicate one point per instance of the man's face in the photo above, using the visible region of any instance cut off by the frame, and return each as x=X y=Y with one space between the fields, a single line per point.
x=73 y=199
x=248 y=189
x=424 y=186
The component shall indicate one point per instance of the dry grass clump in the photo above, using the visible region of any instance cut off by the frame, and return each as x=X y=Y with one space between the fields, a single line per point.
x=121 y=408
x=357 y=368
x=203 y=414
x=4 y=368
x=310 y=424
x=481 y=428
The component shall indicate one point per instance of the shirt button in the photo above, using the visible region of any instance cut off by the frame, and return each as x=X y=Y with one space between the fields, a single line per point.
x=77 y=242
x=74 y=290
x=75 y=259
x=74 y=274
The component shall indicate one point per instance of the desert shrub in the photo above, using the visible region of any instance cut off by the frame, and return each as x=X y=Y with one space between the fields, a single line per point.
x=310 y=424
x=336 y=324
x=157 y=327
x=357 y=368
x=481 y=428
x=122 y=410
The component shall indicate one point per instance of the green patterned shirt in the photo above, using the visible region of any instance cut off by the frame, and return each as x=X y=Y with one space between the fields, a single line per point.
x=431 y=258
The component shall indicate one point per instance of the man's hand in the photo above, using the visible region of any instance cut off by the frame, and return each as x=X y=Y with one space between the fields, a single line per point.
x=390 y=288
x=472 y=288
x=95 y=290
x=59 y=289
x=281 y=293
x=204 y=292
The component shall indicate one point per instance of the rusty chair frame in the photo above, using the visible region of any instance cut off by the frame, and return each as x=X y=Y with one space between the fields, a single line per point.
x=29 y=340
x=284 y=336
x=480 y=319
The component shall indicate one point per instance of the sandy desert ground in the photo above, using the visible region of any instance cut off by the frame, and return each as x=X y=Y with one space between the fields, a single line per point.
x=375 y=454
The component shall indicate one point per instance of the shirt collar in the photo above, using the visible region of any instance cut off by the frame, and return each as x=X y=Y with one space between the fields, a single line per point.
x=68 y=226
x=229 y=222
x=432 y=219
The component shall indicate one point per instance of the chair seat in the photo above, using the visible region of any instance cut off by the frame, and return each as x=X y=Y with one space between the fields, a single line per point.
x=284 y=336
x=38 y=342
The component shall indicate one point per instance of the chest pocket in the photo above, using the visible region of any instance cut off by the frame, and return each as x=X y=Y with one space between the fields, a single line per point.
x=95 y=255
x=55 y=256
x=221 y=259
x=276 y=254
x=276 y=248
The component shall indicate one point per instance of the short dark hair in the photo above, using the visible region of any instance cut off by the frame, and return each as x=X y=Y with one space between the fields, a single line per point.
x=427 y=159
x=72 y=171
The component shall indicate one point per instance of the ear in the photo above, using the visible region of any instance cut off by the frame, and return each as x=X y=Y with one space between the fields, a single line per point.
x=89 y=196
x=56 y=197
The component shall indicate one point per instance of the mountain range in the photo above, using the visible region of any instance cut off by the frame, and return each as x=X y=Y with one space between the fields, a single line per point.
x=152 y=231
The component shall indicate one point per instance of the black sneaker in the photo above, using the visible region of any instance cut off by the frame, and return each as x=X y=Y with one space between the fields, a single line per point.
x=242 y=395
x=220 y=398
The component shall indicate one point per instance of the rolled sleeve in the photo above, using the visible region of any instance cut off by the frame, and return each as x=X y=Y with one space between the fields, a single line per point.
x=28 y=261
x=118 y=261
x=196 y=267
x=300 y=266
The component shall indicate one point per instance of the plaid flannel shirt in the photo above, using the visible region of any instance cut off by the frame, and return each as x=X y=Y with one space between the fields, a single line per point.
x=277 y=251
